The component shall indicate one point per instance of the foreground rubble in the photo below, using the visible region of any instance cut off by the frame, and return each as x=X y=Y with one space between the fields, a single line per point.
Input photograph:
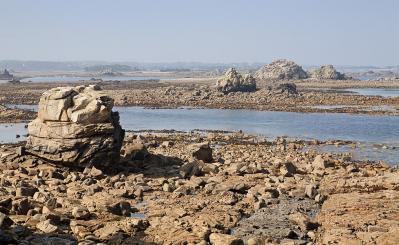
x=250 y=192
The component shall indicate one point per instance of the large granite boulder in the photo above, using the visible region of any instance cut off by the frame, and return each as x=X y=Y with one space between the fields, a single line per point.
x=281 y=70
x=233 y=81
x=76 y=126
x=327 y=72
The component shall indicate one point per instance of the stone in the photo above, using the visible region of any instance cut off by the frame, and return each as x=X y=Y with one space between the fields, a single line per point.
x=80 y=213
x=25 y=191
x=46 y=226
x=284 y=88
x=233 y=81
x=320 y=163
x=224 y=239
x=303 y=221
x=20 y=206
x=135 y=151
x=190 y=169
x=121 y=208
x=76 y=126
x=254 y=241
x=95 y=172
x=281 y=70
x=327 y=72
x=201 y=151
x=167 y=187
x=288 y=169
x=5 y=221
x=167 y=144
x=311 y=191
x=20 y=151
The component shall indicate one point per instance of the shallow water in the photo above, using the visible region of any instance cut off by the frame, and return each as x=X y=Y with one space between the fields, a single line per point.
x=78 y=78
x=384 y=92
x=9 y=131
x=367 y=129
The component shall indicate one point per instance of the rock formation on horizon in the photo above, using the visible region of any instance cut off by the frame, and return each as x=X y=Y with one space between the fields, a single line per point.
x=327 y=72
x=76 y=126
x=281 y=69
x=232 y=81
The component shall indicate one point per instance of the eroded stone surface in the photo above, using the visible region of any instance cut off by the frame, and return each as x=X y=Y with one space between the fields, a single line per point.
x=327 y=72
x=76 y=126
x=281 y=70
x=233 y=81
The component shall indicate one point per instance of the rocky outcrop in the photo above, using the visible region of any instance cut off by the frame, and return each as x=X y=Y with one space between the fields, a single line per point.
x=76 y=126
x=283 y=88
x=327 y=72
x=233 y=81
x=281 y=70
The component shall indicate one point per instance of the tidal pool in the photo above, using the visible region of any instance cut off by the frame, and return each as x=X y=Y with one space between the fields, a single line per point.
x=367 y=129
x=384 y=92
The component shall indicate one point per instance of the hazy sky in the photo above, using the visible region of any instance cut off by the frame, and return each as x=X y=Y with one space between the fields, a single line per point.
x=340 y=32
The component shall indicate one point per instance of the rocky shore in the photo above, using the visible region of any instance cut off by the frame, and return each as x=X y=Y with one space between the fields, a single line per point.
x=215 y=188
x=9 y=115
x=312 y=96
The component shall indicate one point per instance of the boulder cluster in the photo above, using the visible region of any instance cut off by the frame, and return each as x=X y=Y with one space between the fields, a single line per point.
x=233 y=81
x=76 y=126
x=281 y=70
x=327 y=72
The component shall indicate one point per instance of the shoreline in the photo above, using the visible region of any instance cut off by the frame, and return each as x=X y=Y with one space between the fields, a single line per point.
x=173 y=94
x=249 y=179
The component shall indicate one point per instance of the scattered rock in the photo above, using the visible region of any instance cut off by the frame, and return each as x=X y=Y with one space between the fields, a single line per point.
x=5 y=221
x=25 y=191
x=121 y=208
x=46 y=226
x=311 y=191
x=80 y=213
x=201 y=151
x=135 y=151
x=224 y=239
x=320 y=163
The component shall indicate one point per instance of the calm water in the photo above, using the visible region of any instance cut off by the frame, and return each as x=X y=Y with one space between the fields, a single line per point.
x=77 y=78
x=384 y=92
x=323 y=126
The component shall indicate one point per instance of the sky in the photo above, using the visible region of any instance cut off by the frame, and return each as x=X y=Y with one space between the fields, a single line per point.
x=310 y=32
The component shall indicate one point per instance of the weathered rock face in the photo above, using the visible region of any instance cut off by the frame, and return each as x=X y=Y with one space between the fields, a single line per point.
x=233 y=81
x=76 y=126
x=281 y=70
x=327 y=72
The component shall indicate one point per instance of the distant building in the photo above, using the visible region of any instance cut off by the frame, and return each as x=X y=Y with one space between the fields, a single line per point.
x=6 y=75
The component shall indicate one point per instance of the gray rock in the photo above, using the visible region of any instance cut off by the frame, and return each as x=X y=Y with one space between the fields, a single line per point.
x=327 y=72
x=281 y=70
x=232 y=81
